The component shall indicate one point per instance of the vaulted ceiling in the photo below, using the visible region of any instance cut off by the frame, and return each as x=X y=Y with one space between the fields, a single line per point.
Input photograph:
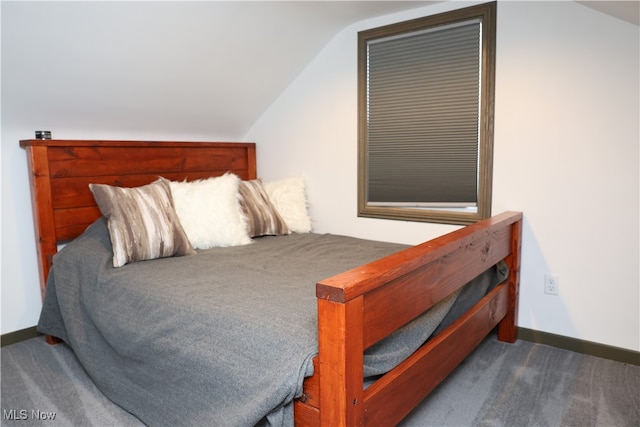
x=627 y=10
x=184 y=67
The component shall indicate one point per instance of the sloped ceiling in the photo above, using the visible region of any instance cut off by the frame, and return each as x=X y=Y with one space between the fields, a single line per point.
x=627 y=10
x=203 y=68
x=171 y=67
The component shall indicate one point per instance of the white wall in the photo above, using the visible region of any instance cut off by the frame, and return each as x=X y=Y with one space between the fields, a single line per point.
x=566 y=154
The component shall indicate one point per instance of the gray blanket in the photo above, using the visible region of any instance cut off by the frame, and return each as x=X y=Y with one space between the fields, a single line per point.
x=224 y=337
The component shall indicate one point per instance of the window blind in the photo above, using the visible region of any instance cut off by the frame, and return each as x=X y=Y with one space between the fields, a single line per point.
x=422 y=124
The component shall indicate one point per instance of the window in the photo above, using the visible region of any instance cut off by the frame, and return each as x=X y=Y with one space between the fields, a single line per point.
x=425 y=111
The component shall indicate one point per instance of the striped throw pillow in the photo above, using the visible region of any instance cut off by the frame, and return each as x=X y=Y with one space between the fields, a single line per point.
x=262 y=217
x=142 y=222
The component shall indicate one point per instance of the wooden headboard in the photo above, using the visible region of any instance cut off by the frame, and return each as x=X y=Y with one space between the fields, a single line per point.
x=60 y=172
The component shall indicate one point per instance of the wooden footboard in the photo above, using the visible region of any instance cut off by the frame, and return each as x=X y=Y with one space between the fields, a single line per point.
x=360 y=307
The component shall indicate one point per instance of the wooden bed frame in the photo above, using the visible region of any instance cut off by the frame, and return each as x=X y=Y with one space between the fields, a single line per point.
x=355 y=309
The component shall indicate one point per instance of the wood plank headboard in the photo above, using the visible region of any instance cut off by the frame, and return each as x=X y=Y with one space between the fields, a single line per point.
x=60 y=172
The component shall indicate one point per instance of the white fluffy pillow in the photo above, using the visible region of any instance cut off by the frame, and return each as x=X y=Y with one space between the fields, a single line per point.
x=290 y=199
x=210 y=213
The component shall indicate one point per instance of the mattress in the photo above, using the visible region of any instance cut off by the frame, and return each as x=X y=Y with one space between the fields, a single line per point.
x=224 y=337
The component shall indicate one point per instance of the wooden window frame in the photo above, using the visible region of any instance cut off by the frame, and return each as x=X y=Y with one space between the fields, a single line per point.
x=486 y=13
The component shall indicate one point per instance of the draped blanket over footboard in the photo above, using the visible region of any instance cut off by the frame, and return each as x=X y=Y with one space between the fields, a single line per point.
x=225 y=337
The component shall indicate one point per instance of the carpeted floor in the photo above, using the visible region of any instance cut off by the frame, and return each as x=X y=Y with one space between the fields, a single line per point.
x=526 y=384
x=521 y=384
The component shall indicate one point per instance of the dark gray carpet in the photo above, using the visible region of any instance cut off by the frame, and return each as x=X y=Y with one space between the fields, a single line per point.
x=526 y=384
x=511 y=385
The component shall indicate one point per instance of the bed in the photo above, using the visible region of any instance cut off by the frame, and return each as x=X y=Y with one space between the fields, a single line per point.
x=369 y=298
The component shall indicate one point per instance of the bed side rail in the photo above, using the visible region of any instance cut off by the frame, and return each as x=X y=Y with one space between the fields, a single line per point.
x=361 y=306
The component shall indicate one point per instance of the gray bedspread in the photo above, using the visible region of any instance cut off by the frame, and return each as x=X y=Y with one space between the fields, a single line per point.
x=224 y=337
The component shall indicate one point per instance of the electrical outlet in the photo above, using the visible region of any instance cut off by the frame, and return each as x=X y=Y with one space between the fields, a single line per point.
x=550 y=284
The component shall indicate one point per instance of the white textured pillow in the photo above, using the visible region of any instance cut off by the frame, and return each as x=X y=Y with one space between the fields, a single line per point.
x=210 y=213
x=290 y=199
